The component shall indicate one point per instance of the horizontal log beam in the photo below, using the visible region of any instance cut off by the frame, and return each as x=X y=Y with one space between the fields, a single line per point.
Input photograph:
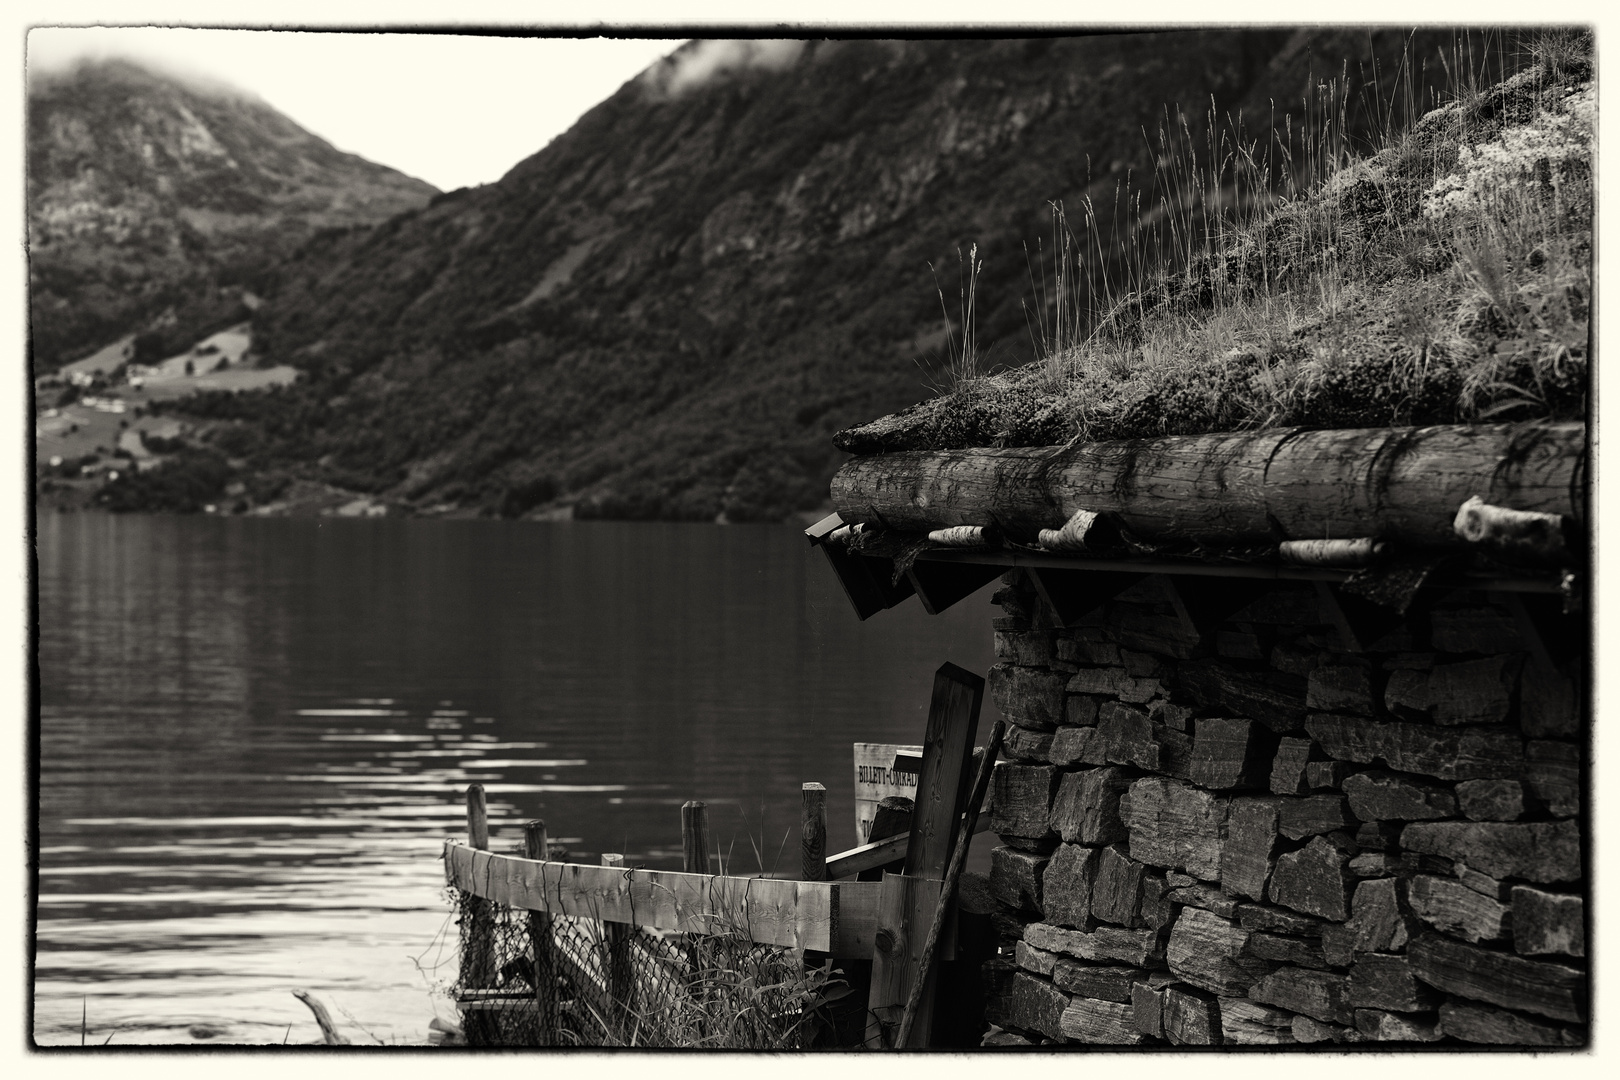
x=1399 y=484
x=839 y=918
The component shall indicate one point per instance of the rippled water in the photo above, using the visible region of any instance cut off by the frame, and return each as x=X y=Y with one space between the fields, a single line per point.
x=254 y=735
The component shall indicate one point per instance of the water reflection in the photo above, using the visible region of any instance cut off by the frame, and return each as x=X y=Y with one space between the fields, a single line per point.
x=255 y=734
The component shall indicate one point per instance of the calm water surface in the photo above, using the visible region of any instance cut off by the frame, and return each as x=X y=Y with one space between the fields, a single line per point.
x=255 y=734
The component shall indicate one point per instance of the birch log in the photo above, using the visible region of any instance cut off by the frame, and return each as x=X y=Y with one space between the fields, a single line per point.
x=1399 y=484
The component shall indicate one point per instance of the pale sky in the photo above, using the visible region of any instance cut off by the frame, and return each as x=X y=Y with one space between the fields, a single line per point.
x=450 y=109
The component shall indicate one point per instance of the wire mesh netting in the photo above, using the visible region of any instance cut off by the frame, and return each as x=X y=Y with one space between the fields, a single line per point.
x=531 y=978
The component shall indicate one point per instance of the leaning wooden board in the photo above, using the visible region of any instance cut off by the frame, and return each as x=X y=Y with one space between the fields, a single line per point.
x=907 y=902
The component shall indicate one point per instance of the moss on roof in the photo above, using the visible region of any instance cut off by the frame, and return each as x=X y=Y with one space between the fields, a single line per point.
x=1444 y=279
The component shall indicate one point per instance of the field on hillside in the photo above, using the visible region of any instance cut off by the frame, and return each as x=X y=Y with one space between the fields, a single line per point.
x=101 y=422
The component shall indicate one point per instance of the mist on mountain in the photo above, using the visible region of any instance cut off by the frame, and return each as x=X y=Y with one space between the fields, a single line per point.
x=157 y=199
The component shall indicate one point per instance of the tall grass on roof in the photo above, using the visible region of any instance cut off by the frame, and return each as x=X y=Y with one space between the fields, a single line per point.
x=1440 y=273
x=964 y=365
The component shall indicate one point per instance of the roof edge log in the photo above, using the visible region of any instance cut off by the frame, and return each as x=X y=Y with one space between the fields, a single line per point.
x=1394 y=484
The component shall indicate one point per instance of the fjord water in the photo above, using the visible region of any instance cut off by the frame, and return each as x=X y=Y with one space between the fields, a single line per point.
x=254 y=735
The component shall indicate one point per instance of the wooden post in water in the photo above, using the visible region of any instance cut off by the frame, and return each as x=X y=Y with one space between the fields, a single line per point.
x=695 y=837
x=616 y=963
x=536 y=845
x=813 y=832
x=547 y=1020
x=478 y=964
x=477 y=818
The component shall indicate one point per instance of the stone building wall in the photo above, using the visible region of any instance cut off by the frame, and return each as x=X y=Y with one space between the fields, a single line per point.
x=1253 y=835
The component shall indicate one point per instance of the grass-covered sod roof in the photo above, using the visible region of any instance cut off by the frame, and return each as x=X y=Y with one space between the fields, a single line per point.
x=1445 y=278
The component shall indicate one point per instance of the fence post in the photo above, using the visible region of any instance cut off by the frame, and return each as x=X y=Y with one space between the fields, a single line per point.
x=535 y=843
x=695 y=837
x=695 y=860
x=813 y=833
x=616 y=963
x=477 y=818
x=478 y=965
x=547 y=1020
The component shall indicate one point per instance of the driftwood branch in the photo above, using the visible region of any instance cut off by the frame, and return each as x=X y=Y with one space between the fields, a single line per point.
x=329 y=1032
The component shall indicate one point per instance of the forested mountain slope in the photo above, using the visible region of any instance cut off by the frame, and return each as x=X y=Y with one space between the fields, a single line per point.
x=669 y=310
x=155 y=201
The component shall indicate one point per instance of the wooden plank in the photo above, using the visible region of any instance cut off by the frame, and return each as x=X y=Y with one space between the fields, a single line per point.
x=942 y=784
x=905 y=908
x=867 y=856
x=868 y=582
x=908 y=760
x=817 y=534
x=939 y=585
x=879 y=853
x=942 y=790
x=876 y=779
x=795 y=914
x=854 y=919
x=936 y=922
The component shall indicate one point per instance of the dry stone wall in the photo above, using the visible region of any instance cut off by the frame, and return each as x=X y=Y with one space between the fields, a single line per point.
x=1251 y=835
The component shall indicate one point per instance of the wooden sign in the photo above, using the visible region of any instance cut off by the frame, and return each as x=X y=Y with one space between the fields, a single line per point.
x=876 y=778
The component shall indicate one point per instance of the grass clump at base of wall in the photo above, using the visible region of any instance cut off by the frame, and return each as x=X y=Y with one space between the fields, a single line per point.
x=1444 y=278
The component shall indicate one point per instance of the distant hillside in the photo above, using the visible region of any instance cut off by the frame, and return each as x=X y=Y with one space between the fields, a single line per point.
x=154 y=201
x=669 y=310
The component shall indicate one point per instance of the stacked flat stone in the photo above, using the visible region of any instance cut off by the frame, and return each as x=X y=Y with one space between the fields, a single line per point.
x=1251 y=836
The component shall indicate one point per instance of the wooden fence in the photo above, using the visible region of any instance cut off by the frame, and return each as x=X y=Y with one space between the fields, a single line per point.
x=886 y=922
x=837 y=918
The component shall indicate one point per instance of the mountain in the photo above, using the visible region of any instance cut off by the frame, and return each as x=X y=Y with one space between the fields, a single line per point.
x=156 y=201
x=669 y=310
